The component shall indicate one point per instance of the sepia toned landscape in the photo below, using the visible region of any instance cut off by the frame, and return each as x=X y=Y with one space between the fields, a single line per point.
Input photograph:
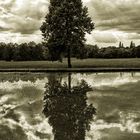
x=69 y=70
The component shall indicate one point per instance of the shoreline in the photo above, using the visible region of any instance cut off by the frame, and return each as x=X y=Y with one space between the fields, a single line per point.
x=53 y=70
x=85 y=65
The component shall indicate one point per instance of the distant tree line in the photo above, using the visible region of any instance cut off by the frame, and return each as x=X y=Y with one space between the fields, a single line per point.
x=36 y=52
x=93 y=51
x=23 y=52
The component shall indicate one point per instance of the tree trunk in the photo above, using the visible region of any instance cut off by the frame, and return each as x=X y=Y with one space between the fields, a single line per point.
x=69 y=82
x=69 y=57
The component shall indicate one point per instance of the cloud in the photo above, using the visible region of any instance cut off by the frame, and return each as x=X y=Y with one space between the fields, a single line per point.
x=133 y=36
x=20 y=38
x=120 y=18
x=114 y=20
x=106 y=37
x=22 y=16
x=122 y=15
x=6 y=4
x=1 y=28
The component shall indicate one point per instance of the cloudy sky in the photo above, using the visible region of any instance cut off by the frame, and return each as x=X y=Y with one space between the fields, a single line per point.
x=115 y=20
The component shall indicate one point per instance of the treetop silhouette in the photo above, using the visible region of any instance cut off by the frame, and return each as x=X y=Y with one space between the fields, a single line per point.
x=65 y=26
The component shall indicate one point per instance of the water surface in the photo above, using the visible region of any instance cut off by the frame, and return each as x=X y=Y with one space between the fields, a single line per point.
x=115 y=96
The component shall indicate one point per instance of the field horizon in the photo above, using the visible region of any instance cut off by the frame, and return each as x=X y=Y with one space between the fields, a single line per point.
x=77 y=65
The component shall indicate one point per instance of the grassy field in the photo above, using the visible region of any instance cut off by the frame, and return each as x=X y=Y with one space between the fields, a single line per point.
x=86 y=63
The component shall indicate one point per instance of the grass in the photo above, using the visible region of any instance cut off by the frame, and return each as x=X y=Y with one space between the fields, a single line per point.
x=85 y=63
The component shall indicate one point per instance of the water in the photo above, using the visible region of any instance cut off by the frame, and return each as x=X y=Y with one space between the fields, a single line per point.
x=63 y=106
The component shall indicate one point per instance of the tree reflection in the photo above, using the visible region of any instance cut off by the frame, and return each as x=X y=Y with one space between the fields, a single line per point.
x=67 y=109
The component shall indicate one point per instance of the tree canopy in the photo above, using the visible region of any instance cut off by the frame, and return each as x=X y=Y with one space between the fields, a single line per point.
x=65 y=26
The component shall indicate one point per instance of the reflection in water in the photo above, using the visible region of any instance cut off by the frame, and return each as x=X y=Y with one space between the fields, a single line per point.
x=116 y=98
x=66 y=108
x=132 y=74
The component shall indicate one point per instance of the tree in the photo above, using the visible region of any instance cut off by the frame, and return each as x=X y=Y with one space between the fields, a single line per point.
x=16 y=55
x=66 y=108
x=2 y=49
x=138 y=51
x=121 y=45
x=92 y=51
x=24 y=52
x=132 y=45
x=133 y=49
x=65 y=27
x=8 y=52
